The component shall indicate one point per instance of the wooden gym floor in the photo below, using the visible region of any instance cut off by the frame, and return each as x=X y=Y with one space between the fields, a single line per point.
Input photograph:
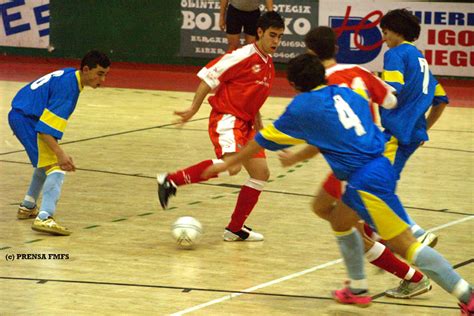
x=121 y=258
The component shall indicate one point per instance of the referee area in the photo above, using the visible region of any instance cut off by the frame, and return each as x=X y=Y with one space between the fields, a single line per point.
x=121 y=258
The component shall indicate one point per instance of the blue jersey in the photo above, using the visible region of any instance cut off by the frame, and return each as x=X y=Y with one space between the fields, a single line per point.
x=406 y=70
x=50 y=100
x=334 y=119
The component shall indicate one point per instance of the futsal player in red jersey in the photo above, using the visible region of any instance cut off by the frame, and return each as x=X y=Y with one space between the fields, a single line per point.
x=242 y=80
x=322 y=42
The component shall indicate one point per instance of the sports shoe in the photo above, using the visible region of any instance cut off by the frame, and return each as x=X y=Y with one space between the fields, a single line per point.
x=345 y=296
x=49 y=226
x=26 y=213
x=166 y=188
x=428 y=239
x=467 y=309
x=245 y=234
x=408 y=289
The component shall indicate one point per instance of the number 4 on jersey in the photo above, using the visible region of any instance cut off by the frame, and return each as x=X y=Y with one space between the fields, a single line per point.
x=347 y=117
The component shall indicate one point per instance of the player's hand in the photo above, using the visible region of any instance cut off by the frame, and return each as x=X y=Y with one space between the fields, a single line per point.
x=287 y=158
x=214 y=170
x=66 y=162
x=185 y=115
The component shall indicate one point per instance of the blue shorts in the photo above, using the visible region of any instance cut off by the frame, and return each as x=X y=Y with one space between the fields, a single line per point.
x=397 y=153
x=370 y=191
x=24 y=129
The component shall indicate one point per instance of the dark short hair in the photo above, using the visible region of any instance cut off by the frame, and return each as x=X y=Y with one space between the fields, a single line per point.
x=306 y=72
x=94 y=58
x=403 y=22
x=270 y=19
x=322 y=41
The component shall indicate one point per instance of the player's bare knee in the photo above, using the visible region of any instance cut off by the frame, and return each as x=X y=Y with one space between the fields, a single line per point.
x=235 y=170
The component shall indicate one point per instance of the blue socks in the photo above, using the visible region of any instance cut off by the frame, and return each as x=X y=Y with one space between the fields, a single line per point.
x=37 y=181
x=352 y=250
x=51 y=193
x=437 y=268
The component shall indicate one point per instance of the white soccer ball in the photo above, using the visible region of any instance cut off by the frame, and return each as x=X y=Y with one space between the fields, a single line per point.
x=187 y=232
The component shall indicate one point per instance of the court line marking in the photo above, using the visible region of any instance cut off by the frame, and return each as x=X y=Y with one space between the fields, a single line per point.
x=291 y=276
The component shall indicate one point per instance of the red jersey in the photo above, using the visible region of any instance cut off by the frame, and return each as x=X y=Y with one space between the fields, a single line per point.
x=357 y=77
x=243 y=79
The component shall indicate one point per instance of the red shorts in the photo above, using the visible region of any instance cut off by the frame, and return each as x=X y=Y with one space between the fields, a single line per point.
x=333 y=186
x=229 y=134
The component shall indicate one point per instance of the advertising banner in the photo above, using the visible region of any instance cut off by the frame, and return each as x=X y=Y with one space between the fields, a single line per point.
x=446 y=38
x=24 y=23
x=202 y=37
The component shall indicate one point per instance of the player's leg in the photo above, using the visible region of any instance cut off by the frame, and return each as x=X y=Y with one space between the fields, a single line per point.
x=259 y=173
x=375 y=252
x=233 y=27
x=433 y=264
x=343 y=219
x=45 y=221
x=250 y=26
x=223 y=132
x=372 y=194
x=398 y=154
x=24 y=129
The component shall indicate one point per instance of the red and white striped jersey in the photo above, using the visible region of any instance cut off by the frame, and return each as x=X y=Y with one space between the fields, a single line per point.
x=357 y=77
x=242 y=79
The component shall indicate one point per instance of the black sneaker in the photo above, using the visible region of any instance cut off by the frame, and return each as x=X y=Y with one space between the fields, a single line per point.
x=166 y=188
x=245 y=234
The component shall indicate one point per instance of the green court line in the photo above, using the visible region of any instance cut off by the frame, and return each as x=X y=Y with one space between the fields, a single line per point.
x=92 y=226
x=217 y=197
x=196 y=202
x=3 y=248
x=281 y=176
x=298 y=166
x=119 y=220
x=291 y=170
x=172 y=208
x=32 y=241
x=145 y=214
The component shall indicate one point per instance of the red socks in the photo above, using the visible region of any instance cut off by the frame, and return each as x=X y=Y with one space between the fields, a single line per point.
x=383 y=258
x=246 y=201
x=191 y=174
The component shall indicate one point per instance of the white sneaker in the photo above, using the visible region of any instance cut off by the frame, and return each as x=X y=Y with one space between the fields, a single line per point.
x=245 y=234
x=428 y=239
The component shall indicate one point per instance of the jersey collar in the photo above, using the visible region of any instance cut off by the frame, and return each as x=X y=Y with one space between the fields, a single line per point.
x=319 y=87
x=78 y=77
x=260 y=53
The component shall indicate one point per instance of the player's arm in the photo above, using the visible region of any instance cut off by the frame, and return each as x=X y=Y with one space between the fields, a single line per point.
x=65 y=161
x=393 y=71
x=222 y=13
x=258 y=123
x=288 y=158
x=269 y=5
x=199 y=96
x=440 y=101
x=435 y=114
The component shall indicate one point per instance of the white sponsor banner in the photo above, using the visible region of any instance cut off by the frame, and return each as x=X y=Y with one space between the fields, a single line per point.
x=446 y=38
x=202 y=37
x=24 y=23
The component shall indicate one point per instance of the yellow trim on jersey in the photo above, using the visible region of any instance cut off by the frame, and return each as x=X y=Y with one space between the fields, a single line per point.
x=362 y=93
x=439 y=91
x=388 y=224
x=78 y=77
x=412 y=250
x=54 y=121
x=345 y=233
x=319 y=87
x=53 y=169
x=393 y=76
x=46 y=157
x=409 y=43
x=270 y=133
x=391 y=148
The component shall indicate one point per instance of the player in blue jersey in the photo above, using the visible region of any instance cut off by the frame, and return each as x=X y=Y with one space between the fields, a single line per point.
x=337 y=122
x=39 y=115
x=407 y=71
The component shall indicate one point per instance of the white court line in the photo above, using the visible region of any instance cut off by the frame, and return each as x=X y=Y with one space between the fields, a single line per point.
x=294 y=275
